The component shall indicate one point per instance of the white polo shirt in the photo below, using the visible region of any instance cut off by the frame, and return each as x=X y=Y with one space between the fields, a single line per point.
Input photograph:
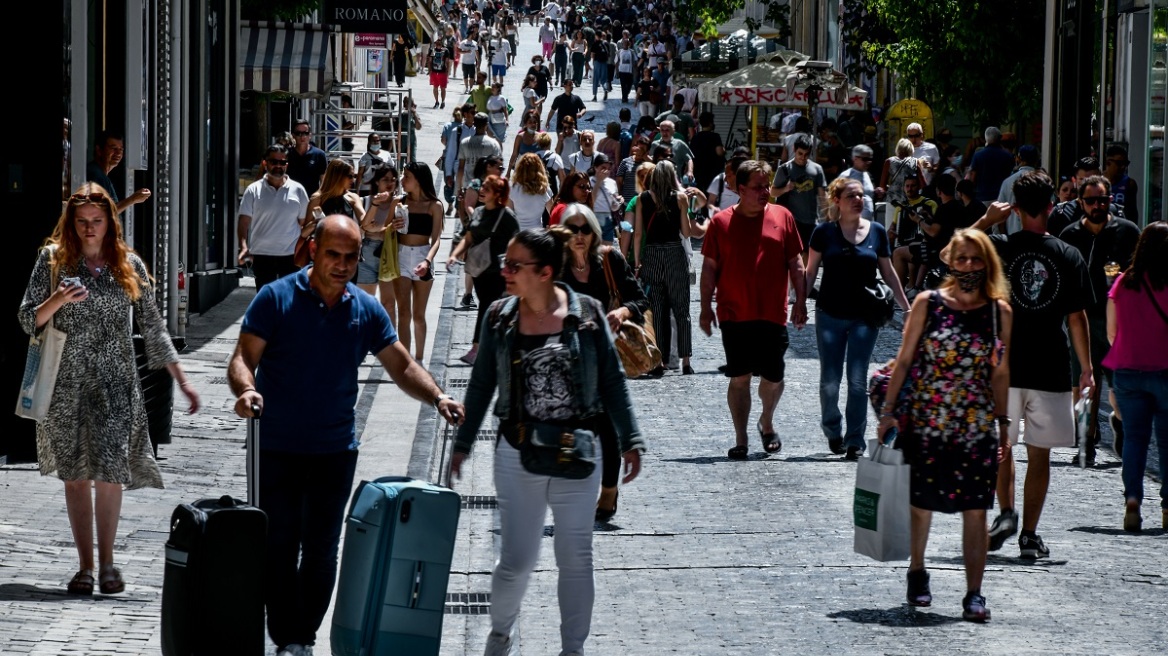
x=275 y=215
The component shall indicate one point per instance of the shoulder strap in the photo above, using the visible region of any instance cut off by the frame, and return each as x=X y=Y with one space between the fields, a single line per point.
x=1152 y=297
x=613 y=290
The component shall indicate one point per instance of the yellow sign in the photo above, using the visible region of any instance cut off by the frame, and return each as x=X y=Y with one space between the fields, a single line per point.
x=905 y=112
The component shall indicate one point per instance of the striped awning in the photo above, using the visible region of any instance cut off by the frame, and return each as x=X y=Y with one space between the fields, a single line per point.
x=293 y=58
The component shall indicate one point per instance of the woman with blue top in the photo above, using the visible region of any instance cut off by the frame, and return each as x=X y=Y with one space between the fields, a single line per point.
x=851 y=250
x=550 y=354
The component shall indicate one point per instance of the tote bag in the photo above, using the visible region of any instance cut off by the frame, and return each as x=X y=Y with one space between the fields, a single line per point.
x=478 y=258
x=880 y=508
x=40 y=373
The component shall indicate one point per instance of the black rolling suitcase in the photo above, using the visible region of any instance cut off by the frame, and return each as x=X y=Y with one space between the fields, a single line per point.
x=212 y=589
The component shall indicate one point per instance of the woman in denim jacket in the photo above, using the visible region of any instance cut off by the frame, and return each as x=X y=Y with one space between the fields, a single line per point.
x=571 y=376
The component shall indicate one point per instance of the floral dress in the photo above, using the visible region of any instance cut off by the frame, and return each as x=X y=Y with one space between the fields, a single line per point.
x=96 y=427
x=953 y=443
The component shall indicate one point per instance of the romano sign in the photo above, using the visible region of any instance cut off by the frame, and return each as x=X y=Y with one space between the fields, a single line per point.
x=385 y=16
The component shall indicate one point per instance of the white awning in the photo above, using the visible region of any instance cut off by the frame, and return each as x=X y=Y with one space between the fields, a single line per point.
x=772 y=84
x=275 y=56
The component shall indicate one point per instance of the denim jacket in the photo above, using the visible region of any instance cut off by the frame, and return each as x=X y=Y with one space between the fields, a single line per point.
x=600 y=378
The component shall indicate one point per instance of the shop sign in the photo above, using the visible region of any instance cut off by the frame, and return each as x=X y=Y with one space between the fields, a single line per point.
x=778 y=96
x=370 y=40
x=385 y=16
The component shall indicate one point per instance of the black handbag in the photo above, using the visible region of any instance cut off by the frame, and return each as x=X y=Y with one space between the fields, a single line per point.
x=548 y=449
x=879 y=304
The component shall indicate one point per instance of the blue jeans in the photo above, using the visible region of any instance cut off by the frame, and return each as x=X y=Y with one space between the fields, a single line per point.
x=599 y=76
x=304 y=496
x=1142 y=397
x=840 y=341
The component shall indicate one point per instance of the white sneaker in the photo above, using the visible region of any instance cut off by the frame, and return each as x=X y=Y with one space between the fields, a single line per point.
x=498 y=645
x=295 y=650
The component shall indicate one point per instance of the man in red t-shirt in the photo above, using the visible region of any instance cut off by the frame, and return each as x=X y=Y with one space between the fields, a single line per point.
x=752 y=252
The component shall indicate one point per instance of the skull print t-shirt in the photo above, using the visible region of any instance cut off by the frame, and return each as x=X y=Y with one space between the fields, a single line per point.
x=1048 y=280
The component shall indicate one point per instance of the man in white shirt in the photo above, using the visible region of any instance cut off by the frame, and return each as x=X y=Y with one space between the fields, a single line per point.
x=1027 y=159
x=272 y=212
x=861 y=162
x=468 y=50
x=924 y=151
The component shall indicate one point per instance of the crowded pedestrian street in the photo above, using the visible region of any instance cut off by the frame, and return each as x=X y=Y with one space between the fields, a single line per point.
x=707 y=552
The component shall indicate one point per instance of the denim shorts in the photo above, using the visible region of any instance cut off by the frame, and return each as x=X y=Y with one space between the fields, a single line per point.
x=370 y=264
x=607 y=226
x=498 y=71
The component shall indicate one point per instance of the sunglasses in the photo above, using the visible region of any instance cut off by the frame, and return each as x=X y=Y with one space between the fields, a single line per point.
x=582 y=230
x=586 y=187
x=513 y=266
x=1095 y=200
x=82 y=199
x=865 y=159
x=301 y=133
x=277 y=162
x=911 y=135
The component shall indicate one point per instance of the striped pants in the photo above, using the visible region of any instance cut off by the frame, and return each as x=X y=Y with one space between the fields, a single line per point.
x=665 y=270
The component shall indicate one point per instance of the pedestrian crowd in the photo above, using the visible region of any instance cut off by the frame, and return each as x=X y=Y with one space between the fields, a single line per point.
x=1020 y=295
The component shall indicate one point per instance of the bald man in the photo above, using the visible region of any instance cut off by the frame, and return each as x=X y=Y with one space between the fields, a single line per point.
x=302 y=340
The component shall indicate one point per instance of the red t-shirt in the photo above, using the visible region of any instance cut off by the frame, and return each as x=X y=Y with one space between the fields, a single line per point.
x=556 y=213
x=752 y=256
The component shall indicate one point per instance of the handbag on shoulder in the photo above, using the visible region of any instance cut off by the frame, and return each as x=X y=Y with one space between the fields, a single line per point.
x=636 y=344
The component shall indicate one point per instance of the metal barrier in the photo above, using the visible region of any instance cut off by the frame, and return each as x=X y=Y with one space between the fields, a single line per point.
x=384 y=111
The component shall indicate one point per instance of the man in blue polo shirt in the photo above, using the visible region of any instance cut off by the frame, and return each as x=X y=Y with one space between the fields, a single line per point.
x=302 y=340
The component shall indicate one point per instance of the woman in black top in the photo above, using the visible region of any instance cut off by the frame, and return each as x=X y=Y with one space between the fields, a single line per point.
x=417 y=247
x=852 y=249
x=496 y=222
x=662 y=220
x=543 y=76
x=334 y=196
x=560 y=59
x=585 y=274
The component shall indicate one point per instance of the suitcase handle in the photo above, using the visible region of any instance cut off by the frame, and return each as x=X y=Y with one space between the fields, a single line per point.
x=393 y=479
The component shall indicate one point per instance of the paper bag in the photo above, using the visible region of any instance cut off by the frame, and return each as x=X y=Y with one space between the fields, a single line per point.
x=880 y=508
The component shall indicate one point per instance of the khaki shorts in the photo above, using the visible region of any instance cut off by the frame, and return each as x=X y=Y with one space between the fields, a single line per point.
x=1049 y=418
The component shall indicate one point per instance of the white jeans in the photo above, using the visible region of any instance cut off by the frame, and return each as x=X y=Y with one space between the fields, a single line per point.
x=523 y=502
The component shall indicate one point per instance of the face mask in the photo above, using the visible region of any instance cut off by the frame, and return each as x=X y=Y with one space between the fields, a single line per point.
x=374 y=148
x=956 y=161
x=969 y=281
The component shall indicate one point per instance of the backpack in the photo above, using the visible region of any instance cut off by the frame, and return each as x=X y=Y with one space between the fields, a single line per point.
x=553 y=178
x=626 y=143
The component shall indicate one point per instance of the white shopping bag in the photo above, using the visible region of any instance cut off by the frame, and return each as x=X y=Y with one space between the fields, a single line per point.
x=880 y=509
x=40 y=373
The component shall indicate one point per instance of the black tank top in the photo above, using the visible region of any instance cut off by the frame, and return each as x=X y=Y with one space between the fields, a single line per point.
x=420 y=223
x=338 y=205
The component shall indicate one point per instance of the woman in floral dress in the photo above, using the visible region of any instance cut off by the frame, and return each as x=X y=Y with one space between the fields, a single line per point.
x=955 y=350
x=90 y=285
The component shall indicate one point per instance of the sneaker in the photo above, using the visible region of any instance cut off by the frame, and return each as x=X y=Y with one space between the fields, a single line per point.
x=836 y=445
x=295 y=650
x=853 y=453
x=1004 y=526
x=1032 y=547
x=498 y=644
x=1117 y=434
x=918 y=588
x=974 y=608
x=468 y=301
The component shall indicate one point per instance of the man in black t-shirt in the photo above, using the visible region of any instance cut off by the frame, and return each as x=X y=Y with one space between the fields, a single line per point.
x=1107 y=243
x=566 y=104
x=1048 y=285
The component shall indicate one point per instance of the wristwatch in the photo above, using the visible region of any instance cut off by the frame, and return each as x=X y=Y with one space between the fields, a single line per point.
x=441 y=397
x=1003 y=420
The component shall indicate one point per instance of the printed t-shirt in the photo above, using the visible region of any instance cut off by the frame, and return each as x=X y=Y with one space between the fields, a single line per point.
x=1048 y=280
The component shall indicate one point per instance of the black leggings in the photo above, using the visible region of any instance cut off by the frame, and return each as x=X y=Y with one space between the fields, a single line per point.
x=489 y=287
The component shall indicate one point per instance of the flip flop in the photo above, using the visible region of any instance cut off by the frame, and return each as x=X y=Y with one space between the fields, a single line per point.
x=737 y=452
x=770 y=441
x=81 y=583
x=111 y=581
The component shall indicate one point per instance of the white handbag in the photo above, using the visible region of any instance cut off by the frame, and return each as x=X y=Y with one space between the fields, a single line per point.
x=478 y=257
x=880 y=508
x=40 y=373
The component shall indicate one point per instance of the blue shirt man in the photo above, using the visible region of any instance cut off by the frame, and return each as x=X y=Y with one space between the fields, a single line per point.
x=306 y=334
x=306 y=162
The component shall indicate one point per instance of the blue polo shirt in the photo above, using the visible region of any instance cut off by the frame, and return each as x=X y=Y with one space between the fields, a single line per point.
x=308 y=371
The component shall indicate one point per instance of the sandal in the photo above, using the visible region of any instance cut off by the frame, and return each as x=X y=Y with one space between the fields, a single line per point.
x=82 y=583
x=111 y=580
x=770 y=441
x=738 y=452
x=918 y=588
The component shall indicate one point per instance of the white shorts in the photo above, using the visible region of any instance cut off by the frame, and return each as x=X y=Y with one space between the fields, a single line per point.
x=409 y=257
x=1049 y=418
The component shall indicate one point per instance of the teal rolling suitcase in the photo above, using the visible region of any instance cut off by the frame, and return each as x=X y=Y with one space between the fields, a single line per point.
x=391 y=592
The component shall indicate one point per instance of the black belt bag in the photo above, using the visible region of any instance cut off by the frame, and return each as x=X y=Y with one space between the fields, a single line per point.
x=553 y=450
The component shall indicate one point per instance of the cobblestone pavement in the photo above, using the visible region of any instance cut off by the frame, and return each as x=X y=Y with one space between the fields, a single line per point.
x=706 y=556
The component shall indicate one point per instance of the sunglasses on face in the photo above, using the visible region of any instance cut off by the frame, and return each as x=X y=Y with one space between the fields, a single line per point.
x=584 y=187
x=513 y=266
x=582 y=230
x=1095 y=200
x=911 y=135
x=301 y=133
x=82 y=199
x=277 y=162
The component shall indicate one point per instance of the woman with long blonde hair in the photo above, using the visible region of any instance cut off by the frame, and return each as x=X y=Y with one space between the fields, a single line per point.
x=531 y=194
x=90 y=285
x=334 y=195
x=956 y=349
